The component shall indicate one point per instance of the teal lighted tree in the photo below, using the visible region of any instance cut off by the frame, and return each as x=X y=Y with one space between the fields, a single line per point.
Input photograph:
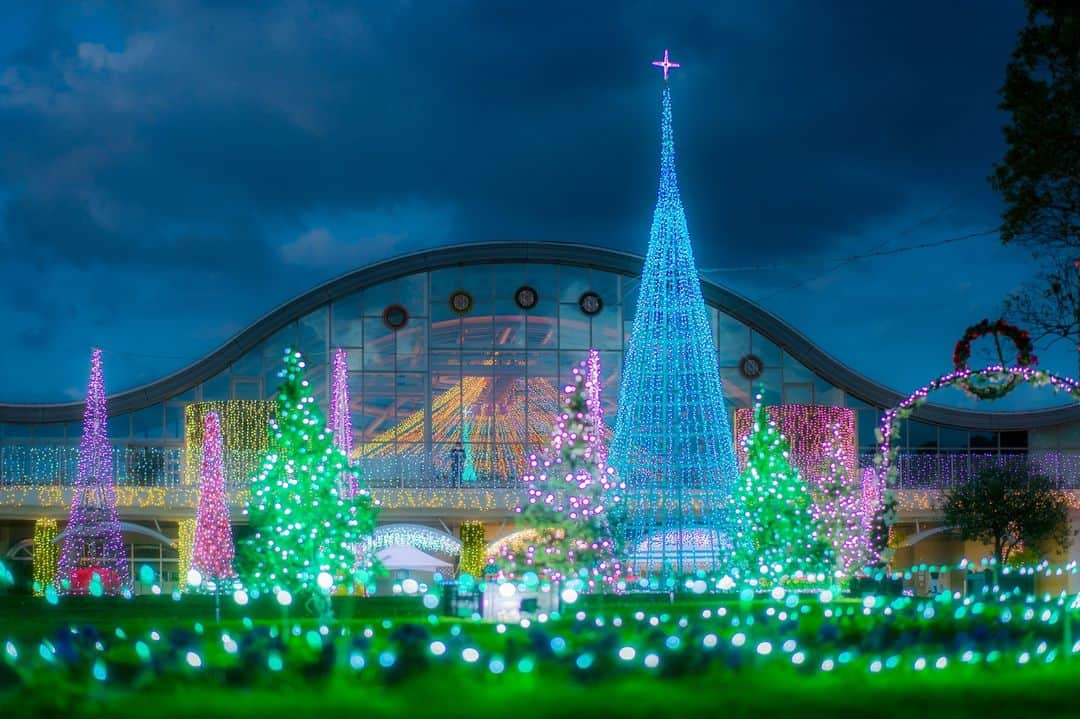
x=305 y=526
x=672 y=445
x=776 y=533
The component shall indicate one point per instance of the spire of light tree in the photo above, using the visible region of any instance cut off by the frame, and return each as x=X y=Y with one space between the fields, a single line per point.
x=305 y=527
x=572 y=493
x=213 y=550
x=92 y=539
x=672 y=444
x=340 y=413
x=776 y=533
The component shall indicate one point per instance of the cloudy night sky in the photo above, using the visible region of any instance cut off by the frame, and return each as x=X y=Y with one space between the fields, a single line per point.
x=169 y=175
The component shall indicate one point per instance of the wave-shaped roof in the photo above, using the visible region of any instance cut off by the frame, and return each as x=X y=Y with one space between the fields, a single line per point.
x=772 y=327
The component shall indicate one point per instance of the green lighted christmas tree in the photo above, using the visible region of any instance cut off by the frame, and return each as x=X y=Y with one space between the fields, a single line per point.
x=305 y=526
x=776 y=531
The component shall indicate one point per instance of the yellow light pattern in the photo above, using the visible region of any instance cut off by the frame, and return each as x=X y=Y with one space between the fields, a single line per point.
x=46 y=553
x=243 y=428
x=523 y=410
x=473 y=556
x=184 y=543
x=515 y=543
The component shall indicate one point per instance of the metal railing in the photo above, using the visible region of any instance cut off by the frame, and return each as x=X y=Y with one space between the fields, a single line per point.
x=168 y=466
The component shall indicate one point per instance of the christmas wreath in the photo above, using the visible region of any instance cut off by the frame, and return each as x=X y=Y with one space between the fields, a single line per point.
x=1025 y=356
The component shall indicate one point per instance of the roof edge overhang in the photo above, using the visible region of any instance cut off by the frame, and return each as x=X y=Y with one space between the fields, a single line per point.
x=762 y=321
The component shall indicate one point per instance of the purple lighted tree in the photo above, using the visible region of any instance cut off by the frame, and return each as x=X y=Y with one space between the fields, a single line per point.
x=340 y=417
x=93 y=546
x=213 y=551
x=572 y=494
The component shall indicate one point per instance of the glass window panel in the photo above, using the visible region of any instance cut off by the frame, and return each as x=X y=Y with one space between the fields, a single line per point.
x=446 y=395
x=798 y=393
x=246 y=390
x=412 y=346
x=314 y=334
x=410 y=405
x=868 y=420
x=921 y=435
x=174 y=421
x=73 y=430
x=732 y=340
x=854 y=402
x=765 y=349
x=541 y=329
x=250 y=365
x=477 y=331
x=607 y=329
x=378 y=410
x=443 y=284
x=148 y=423
x=573 y=328
x=950 y=438
x=347 y=329
x=736 y=389
x=983 y=440
x=274 y=348
x=796 y=371
x=772 y=382
x=50 y=431
x=478 y=394
x=1014 y=440
x=379 y=345
x=827 y=395
x=412 y=294
x=573 y=282
x=378 y=298
x=509 y=324
x=545 y=280
x=120 y=427
x=610 y=384
x=606 y=285
x=629 y=296
x=216 y=389
x=478 y=281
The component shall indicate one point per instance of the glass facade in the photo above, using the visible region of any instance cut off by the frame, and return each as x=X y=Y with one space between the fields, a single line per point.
x=454 y=381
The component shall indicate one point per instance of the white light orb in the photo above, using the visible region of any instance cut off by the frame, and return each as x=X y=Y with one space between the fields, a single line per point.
x=194 y=578
x=325 y=581
x=507 y=590
x=410 y=586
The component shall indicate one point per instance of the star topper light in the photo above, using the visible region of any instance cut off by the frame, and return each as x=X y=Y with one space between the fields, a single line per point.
x=666 y=64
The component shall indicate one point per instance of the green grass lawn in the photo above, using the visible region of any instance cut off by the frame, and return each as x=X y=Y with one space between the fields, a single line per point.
x=317 y=677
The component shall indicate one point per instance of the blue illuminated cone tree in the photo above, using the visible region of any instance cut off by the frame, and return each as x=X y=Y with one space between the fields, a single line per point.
x=305 y=526
x=775 y=526
x=673 y=444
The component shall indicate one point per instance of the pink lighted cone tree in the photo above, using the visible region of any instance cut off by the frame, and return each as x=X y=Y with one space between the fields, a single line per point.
x=92 y=557
x=213 y=551
x=340 y=417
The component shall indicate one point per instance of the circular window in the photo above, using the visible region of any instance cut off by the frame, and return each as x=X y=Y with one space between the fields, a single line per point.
x=590 y=303
x=461 y=302
x=526 y=297
x=751 y=367
x=395 y=317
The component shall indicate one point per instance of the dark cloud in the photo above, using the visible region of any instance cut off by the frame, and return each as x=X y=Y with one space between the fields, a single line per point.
x=189 y=151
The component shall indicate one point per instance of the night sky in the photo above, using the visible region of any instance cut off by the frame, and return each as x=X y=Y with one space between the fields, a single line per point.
x=167 y=176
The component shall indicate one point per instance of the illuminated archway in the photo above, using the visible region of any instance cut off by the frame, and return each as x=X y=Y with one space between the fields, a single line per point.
x=885 y=458
x=418 y=536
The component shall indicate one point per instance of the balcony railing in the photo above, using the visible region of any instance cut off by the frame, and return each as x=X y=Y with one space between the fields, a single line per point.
x=156 y=466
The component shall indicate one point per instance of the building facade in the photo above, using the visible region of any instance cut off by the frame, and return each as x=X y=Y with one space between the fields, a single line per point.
x=456 y=357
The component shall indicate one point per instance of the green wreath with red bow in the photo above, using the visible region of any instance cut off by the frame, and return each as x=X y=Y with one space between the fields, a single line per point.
x=1025 y=356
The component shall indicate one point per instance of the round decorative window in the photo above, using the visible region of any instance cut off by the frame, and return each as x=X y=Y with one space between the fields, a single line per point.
x=526 y=297
x=751 y=367
x=590 y=303
x=461 y=302
x=395 y=317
